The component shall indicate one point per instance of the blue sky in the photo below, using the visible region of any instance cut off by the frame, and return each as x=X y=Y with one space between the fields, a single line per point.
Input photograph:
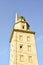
x=32 y=10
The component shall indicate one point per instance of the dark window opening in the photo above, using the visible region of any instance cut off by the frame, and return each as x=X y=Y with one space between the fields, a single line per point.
x=20 y=46
x=23 y=27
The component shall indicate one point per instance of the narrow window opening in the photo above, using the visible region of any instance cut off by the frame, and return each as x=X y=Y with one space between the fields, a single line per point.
x=23 y=27
x=30 y=59
x=29 y=47
x=20 y=37
x=21 y=58
x=28 y=38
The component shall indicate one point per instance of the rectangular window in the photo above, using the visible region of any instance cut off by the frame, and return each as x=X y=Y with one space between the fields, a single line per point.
x=28 y=38
x=20 y=37
x=30 y=59
x=29 y=47
x=21 y=58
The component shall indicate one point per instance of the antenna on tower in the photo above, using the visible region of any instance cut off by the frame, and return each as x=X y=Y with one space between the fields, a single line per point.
x=16 y=18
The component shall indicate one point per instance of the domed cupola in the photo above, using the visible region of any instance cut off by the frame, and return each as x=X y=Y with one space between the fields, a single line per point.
x=22 y=18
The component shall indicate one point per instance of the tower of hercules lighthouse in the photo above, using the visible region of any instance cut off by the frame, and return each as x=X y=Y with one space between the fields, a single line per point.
x=22 y=44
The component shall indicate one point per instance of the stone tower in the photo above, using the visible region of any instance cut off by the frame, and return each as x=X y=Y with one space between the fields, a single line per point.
x=22 y=44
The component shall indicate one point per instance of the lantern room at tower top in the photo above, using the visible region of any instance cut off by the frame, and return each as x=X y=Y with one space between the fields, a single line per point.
x=20 y=24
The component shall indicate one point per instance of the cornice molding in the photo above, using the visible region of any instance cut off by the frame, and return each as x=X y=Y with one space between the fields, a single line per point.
x=17 y=30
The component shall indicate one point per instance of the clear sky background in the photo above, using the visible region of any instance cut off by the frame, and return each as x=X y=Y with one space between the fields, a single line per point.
x=32 y=10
